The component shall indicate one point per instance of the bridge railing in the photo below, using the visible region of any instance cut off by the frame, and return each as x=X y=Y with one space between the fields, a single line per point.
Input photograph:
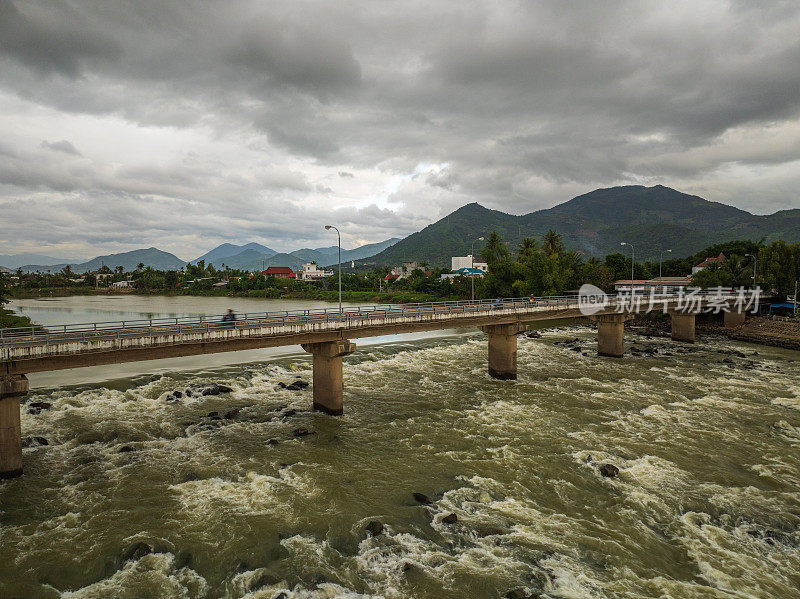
x=39 y=334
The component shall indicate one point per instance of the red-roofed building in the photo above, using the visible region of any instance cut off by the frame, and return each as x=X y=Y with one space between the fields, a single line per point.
x=279 y=272
x=708 y=262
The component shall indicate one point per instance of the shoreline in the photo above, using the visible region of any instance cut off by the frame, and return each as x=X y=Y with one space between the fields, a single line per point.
x=372 y=297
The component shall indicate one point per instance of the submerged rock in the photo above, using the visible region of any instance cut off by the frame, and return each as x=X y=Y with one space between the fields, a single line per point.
x=301 y=431
x=609 y=470
x=422 y=498
x=450 y=519
x=125 y=449
x=215 y=389
x=136 y=551
x=374 y=528
x=231 y=414
x=42 y=405
x=34 y=442
x=297 y=385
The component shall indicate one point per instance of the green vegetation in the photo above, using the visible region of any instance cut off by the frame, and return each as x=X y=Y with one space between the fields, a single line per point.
x=539 y=268
x=7 y=317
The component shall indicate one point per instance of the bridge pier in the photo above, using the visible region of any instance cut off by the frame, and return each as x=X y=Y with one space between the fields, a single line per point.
x=11 y=389
x=682 y=327
x=734 y=319
x=503 y=349
x=611 y=334
x=328 y=387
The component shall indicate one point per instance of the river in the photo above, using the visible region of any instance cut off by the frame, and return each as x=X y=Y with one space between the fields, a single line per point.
x=705 y=436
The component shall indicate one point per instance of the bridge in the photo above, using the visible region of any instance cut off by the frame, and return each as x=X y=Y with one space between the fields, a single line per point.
x=325 y=333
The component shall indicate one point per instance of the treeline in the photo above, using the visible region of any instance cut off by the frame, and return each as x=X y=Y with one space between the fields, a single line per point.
x=548 y=268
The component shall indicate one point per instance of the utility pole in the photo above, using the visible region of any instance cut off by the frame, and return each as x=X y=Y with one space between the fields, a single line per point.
x=472 y=269
x=795 y=298
x=339 y=236
x=632 y=261
x=660 y=260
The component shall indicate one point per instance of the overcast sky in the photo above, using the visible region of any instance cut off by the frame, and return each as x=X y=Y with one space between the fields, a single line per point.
x=182 y=125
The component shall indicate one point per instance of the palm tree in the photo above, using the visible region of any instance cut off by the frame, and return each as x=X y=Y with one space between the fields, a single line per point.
x=552 y=243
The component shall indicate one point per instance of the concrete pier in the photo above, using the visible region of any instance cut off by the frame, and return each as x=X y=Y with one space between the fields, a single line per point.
x=11 y=389
x=734 y=319
x=682 y=327
x=328 y=387
x=611 y=334
x=503 y=349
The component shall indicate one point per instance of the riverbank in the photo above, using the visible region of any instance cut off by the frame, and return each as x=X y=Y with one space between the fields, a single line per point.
x=762 y=330
x=329 y=295
x=10 y=319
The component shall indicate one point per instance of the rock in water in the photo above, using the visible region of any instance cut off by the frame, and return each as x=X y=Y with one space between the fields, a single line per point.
x=422 y=498
x=609 y=470
x=374 y=528
x=231 y=414
x=450 y=519
x=136 y=551
x=301 y=431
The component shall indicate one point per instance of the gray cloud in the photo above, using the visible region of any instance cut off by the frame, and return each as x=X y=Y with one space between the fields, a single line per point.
x=205 y=122
x=61 y=146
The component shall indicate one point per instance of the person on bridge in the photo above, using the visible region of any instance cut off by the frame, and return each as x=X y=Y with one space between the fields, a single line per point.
x=229 y=317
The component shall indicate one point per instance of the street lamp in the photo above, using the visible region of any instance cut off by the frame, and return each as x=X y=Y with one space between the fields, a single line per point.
x=660 y=260
x=632 y=262
x=339 y=235
x=472 y=268
x=755 y=263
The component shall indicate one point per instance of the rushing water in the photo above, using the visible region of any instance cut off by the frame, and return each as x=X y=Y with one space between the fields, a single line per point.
x=706 y=504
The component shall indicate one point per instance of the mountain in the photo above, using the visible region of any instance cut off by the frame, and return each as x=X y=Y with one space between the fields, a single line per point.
x=14 y=261
x=254 y=258
x=651 y=218
x=227 y=250
x=152 y=257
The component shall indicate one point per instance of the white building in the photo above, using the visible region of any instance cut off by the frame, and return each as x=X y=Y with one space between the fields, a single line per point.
x=459 y=262
x=312 y=272
x=123 y=285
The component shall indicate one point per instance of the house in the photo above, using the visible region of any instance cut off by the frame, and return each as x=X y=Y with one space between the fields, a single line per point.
x=312 y=272
x=279 y=272
x=459 y=262
x=659 y=284
x=122 y=285
x=708 y=262
x=403 y=272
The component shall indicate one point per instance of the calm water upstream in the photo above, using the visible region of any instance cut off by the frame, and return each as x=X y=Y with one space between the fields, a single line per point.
x=706 y=504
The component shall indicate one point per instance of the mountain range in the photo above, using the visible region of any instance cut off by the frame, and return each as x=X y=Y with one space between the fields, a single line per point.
x=651 y=218
x=251 y=256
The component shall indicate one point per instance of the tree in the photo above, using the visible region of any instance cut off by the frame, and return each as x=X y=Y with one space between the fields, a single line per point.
x=552 y=243
x=140 y=266
x=498 y=282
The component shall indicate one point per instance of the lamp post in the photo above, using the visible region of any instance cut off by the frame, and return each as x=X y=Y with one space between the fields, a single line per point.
x=472 y=268
x=660 y=260
x=632 y=262
x=339 y=236
x=755 y=264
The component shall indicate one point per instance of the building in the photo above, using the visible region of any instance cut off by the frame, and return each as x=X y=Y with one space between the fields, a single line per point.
x=459 y=262
x=708 y=262
x=403 y=272
x=122 y=285
x=279 y=272
x=312 y=272
x=659 y=284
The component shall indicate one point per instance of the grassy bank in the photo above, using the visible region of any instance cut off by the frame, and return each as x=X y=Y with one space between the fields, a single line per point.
x=10 y=319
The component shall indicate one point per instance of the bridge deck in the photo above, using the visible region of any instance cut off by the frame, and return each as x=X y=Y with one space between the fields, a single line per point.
x=34 y=349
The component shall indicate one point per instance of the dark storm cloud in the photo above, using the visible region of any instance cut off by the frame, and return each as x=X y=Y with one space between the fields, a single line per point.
x=52 y=38
x=199 y=121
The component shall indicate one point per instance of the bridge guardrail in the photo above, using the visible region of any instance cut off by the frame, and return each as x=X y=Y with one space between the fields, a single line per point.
x=82 y=332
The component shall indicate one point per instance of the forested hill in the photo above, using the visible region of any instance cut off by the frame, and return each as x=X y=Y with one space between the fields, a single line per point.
x=651 y=218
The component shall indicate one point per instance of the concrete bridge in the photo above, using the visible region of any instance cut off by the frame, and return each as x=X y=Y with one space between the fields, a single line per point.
x=326 y=334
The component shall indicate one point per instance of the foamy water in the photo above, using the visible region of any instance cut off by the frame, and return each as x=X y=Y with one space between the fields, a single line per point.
x=706 y=503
